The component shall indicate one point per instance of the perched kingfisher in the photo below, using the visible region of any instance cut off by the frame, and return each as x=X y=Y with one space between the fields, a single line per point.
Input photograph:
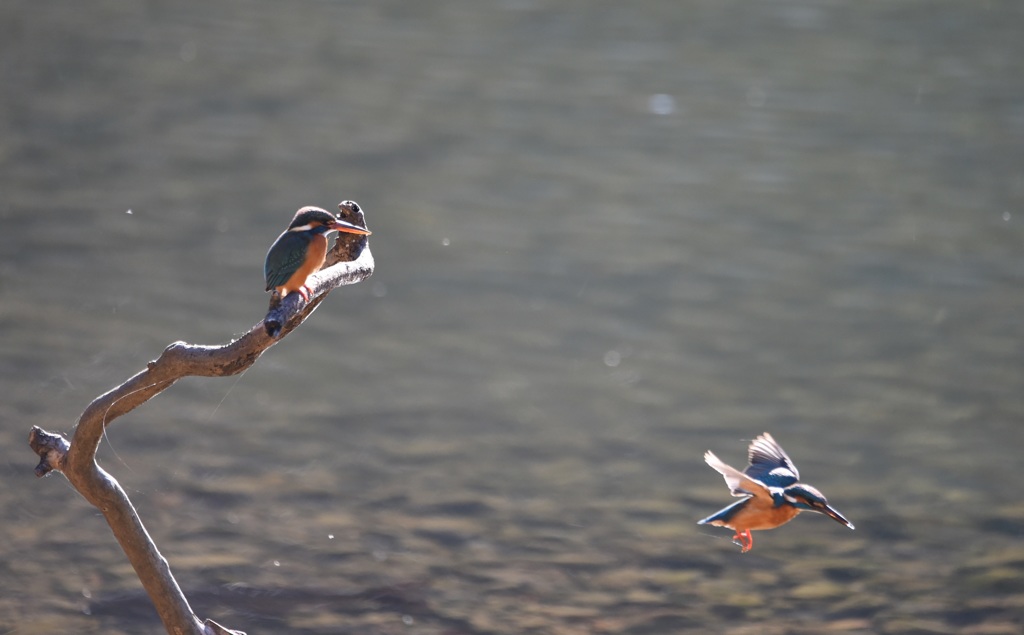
x=771 y=491
x=301 y=250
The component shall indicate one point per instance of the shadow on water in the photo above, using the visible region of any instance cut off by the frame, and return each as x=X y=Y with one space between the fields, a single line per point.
x=608 y=238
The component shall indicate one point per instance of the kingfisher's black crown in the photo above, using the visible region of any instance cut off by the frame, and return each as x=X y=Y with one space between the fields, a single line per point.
x=312 y=216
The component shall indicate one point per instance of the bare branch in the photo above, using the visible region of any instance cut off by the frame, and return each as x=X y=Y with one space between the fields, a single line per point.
x=348 y=263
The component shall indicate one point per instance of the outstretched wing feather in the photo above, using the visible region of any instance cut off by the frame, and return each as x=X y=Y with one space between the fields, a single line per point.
x=740 y=484
x=769 y=463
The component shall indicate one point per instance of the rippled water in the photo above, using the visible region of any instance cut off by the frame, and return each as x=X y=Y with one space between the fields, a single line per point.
x=609 y=236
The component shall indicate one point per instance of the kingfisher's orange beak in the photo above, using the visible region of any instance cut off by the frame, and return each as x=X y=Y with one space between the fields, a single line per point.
x=349 y=228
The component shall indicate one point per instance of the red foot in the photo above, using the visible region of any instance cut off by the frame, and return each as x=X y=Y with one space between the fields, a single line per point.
x=744 y=539
x=304 y=291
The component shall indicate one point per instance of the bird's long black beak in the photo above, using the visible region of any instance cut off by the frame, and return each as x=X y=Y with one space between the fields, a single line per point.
x=836 y=516
x=349 y=228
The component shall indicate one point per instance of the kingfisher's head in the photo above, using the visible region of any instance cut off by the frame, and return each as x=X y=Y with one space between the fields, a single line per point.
x=320 y=221
x=807 y=498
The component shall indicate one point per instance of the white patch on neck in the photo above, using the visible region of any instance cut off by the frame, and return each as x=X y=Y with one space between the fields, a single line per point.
x=301 y=228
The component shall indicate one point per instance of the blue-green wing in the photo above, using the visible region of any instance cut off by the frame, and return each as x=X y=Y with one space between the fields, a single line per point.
x=723 y=516
x=285 y=257
x=769 y=463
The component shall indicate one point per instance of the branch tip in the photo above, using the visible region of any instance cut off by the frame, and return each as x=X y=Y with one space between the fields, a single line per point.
x=51 y=448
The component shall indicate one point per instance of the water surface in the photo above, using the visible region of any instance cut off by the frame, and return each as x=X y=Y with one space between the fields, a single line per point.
x=609 y=236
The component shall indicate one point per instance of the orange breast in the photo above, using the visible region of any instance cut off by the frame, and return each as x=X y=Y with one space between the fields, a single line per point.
x=761 y=514
x=314 y=260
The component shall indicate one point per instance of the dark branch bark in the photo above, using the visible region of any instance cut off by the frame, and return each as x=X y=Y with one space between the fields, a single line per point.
x=348 y=263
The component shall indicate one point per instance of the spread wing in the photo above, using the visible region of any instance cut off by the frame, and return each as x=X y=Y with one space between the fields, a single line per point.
x=740 y=484
x=723 y=517
x=769 y=463
x=284 y=258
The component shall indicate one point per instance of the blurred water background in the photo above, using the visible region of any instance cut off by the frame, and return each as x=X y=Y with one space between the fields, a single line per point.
x=609 y=236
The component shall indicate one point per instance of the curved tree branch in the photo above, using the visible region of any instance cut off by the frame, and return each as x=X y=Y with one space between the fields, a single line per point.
x=348 y=263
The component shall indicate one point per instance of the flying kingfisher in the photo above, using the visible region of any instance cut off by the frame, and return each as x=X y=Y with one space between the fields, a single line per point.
x=301 y=250
x=771 y=491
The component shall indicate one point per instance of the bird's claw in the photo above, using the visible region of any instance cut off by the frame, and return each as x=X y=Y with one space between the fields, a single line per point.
x=744 y=540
